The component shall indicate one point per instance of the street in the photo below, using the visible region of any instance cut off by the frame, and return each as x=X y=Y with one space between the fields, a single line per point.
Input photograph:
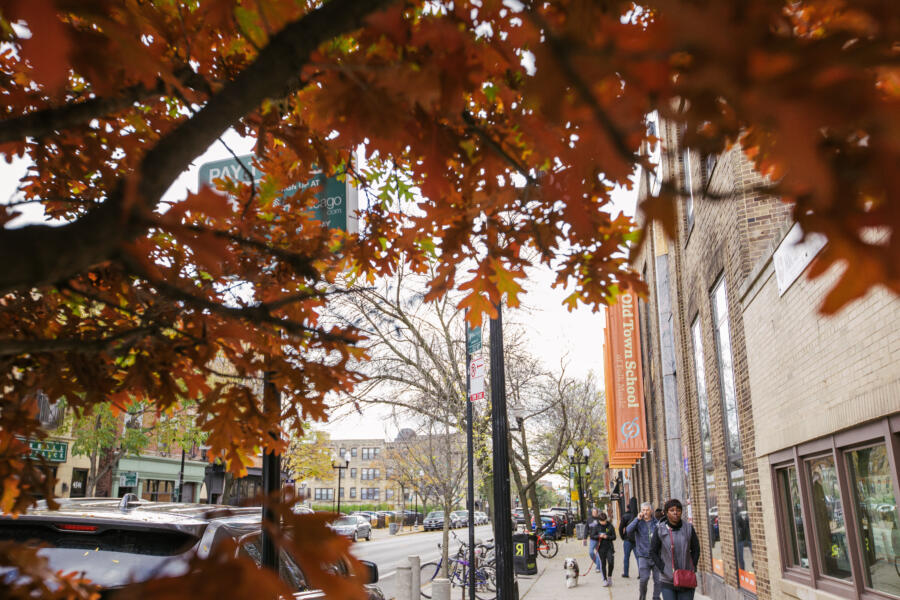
x=390 y=551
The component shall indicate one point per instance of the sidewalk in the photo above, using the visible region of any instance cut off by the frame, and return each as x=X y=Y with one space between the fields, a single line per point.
x=550 y=581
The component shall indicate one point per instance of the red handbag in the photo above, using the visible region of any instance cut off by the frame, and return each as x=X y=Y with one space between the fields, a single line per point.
x=682 y=578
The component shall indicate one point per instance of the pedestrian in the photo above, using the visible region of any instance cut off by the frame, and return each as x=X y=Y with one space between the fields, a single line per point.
x=675 y=550
x=641 y=529
x=605 y=548
x=628 y=540
x=593 y=536
x=659 y=515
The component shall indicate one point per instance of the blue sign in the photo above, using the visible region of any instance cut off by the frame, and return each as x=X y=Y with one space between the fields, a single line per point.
x=337 y=200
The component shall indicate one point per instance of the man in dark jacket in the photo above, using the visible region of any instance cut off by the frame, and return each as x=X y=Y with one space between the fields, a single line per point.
x=674 y=546
x=628 y=540
x=593 y=536
x=641 y=530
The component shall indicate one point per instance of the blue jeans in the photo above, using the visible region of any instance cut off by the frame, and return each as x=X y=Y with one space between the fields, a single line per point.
x=592 y=553
x=645 y=569
x=629 y=548
x=680 y=594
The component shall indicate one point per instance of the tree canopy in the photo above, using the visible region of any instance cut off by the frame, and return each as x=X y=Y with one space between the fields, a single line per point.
x=496 y=130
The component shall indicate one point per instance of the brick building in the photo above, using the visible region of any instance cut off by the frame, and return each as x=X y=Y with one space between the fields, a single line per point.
x=777 y=426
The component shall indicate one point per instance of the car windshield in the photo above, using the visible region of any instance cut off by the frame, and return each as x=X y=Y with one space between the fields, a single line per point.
x=345 y=521
x=109 y=558
x=437 y=514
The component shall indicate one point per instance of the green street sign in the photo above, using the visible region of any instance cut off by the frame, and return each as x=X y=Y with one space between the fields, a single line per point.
x=473 y=339
x=128 y=479
x=49 y=449
x=338 y=200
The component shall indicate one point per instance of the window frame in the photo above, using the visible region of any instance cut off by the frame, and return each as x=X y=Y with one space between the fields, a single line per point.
x=885 y=430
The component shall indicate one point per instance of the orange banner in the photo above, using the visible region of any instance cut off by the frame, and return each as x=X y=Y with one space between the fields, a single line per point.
x=625 y=389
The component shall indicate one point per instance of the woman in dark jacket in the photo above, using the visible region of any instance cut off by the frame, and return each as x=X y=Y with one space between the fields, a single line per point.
x=673 y=546
x=605 y=549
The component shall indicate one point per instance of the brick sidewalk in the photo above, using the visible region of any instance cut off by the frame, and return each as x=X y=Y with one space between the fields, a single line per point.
x=550 y=581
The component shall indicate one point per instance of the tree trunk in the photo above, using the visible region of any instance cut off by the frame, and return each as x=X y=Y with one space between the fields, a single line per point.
x=445 y=544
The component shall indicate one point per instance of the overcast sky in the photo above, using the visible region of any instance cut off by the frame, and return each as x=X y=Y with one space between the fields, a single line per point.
x=552 y=330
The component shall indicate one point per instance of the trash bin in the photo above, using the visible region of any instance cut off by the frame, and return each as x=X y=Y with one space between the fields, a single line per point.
x=581 y=530
x=380 y=522
x=394 y=528
x=524 y=553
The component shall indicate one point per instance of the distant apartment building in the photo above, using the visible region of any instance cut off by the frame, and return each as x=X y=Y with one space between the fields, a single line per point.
x=369 y=478
x=778 y=427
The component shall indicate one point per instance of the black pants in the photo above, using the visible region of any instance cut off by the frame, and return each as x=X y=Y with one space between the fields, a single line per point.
x=606 y=562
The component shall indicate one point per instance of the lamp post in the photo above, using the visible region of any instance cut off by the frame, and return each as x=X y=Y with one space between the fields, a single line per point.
x=578 y=462
x=340 y=464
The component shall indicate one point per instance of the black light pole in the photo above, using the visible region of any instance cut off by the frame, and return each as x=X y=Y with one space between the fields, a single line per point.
x=340 y=464
x=500 y=432
x=470 y=452
x=586 y=454
x=271 y=477
x=181 y=478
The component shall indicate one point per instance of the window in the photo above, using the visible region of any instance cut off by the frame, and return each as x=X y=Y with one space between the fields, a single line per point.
x=875 y=512
x=376 y=452
x=740 y=517
x=368 y=454
x=353 y=492
x=369 y=493
x=376 y=474
x=353 y=473
x=828 y=513
x=792 y=519
x=709 y=167
x=388 y=494
x=654 y=153
x=689 y=188
x=389 y=473
x=841 y=494
x=51 y=413
x=158 y=490
x=353 y=452
x=709 y=475
x=342 y=452
x=324 y=494
x=341 y=492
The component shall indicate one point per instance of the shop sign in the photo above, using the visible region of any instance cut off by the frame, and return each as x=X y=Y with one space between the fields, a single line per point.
x=625 y=400
x=128 y=479
x=52 y=450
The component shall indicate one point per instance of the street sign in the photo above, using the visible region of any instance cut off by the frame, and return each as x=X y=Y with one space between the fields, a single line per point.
x=128 y=479
x=574 y=495
x=476 y=379
x=473 y=339
x=51 y=450
x=338 y=201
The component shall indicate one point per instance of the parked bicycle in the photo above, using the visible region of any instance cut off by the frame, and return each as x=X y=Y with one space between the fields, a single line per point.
x=458 y=572
x=546 y=547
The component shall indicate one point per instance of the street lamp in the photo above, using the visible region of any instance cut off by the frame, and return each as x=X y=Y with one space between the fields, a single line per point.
x=339 y=463
x=585 y=456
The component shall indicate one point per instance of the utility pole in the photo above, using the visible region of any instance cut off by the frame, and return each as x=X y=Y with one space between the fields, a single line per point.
x=181 y=479
x=500 y=430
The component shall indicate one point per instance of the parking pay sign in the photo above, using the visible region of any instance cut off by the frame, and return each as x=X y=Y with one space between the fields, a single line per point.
x=476 y=379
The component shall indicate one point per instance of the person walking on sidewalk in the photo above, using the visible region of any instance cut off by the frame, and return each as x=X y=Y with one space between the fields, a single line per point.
x=628 y=540
x=605 y=549
x=593 y=537
x=641 y=529
x=674 y=546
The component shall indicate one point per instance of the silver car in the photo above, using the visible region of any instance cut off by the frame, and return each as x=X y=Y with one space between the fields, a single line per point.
x=354 y=527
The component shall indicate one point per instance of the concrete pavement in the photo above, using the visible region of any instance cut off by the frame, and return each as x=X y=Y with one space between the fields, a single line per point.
x=550 y=581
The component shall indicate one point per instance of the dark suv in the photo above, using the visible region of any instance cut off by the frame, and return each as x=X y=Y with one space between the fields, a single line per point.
x=115 y=542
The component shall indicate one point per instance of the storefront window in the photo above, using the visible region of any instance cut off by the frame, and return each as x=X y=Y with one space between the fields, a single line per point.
x=743 y=546
x=158 y=490
x=876 y=517
x=828 y=514
x=712 y=509
x=793 y=517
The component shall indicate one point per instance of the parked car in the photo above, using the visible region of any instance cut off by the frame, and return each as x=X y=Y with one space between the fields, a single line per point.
x=519 y=516
x=147 y=539
x=481 y=518
x=353 y=526
x=550 y=526
x=433 y=520
x=459 y=518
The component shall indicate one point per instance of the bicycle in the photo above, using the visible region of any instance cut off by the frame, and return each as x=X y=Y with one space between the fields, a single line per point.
x=546 y=548
x=458 y=573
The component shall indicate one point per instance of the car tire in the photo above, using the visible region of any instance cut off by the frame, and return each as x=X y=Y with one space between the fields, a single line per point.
x=355 y=537
x=369 y=537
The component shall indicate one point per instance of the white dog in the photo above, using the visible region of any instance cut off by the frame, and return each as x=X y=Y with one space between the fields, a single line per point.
x=570 y=566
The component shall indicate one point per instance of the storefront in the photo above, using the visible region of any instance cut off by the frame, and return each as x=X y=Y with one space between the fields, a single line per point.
x=155 y=478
